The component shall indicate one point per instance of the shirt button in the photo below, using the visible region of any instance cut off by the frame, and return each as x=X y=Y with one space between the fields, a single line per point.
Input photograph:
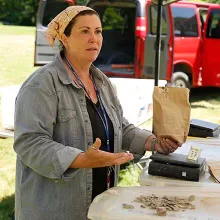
x=88 y=188
x=86 y=121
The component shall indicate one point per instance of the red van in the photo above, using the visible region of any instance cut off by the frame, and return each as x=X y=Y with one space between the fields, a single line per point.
x=129 y=34
x=129 y=31
x=196 y=44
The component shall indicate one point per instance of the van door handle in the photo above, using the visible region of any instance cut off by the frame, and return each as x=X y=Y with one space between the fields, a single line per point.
x=162 y=45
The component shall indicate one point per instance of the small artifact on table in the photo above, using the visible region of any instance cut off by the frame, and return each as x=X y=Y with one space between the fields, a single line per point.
x=191 y=198
x=161 y=211
x=127 y=206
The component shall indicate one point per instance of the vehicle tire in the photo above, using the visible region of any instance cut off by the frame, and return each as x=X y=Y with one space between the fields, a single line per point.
x=181 y=79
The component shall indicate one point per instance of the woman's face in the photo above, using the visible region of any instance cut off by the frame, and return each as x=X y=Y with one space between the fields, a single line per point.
x=85 y=40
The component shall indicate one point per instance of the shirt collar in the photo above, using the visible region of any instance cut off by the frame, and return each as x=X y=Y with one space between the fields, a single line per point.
x=66 y=78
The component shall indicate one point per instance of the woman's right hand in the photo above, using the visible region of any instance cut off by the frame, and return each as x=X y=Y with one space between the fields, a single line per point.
x=94 y=157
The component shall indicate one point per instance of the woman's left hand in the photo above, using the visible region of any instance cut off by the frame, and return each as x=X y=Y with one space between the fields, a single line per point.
x=166 y=146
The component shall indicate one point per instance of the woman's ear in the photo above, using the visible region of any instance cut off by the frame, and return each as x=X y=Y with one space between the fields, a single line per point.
x=64 y=41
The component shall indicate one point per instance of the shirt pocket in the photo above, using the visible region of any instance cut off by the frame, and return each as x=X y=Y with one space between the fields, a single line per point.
x=66 y=129
x=65 y=115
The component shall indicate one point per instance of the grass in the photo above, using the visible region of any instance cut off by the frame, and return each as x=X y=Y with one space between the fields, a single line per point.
x=17 y=54
x=7 y=178
x=16 y=30
x=16 y=64
x=205 y=104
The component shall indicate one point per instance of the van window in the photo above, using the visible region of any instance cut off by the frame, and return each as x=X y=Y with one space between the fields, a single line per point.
x=203 y=15
x=118 y=25
x=52 y=9
x=153 y=18
x=117 y=18
x=185 y=21
x=213 y=29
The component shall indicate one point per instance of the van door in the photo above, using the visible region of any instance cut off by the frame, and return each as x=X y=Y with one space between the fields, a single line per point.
x=117 y=55
x=187 y=44
x=211 y=48
x=47 y=10
x=167 y=39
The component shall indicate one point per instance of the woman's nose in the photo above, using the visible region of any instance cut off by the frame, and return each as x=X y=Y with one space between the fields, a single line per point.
x=93 y=37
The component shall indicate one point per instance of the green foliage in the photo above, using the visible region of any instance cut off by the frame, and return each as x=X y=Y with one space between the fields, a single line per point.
x=129 y=176
x=22 y=12
x=213 y=1
x=112 y=19
x=81 y=2
x=18 y=12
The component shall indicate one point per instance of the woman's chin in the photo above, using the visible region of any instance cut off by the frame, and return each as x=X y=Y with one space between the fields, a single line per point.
x=92 y=59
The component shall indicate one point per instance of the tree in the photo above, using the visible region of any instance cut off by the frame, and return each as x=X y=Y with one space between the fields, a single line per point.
x=17 y=12
x=22 y=12
x=81 y=2
x=213 y=1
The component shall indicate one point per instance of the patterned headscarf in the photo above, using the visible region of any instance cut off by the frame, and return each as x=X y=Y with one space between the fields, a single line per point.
x=58 y=25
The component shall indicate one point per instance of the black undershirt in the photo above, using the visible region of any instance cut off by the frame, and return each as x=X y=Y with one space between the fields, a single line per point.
x=99 y=177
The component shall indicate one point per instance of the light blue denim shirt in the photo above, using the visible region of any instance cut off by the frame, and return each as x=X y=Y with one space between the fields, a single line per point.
x=52 y=128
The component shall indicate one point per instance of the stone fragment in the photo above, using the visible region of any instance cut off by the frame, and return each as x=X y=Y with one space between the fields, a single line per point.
x=127 y=206
x=161 y=211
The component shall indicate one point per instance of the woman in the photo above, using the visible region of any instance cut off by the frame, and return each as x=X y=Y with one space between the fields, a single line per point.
x=69 y=127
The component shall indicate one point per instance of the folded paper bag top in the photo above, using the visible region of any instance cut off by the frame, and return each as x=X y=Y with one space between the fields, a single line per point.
x=171 y=113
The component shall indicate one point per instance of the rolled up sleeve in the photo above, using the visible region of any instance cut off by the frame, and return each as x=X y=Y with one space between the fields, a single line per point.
x=35 y=117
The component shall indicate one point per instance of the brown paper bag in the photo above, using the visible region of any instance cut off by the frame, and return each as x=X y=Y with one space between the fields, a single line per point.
x=171 y=113
x=214 y=170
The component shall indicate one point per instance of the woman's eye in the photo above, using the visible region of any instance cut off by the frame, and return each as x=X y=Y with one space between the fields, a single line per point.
x=98 y=32
x=85 y=31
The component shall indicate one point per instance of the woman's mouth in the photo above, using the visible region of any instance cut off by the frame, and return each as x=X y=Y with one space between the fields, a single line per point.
x=92 y=49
